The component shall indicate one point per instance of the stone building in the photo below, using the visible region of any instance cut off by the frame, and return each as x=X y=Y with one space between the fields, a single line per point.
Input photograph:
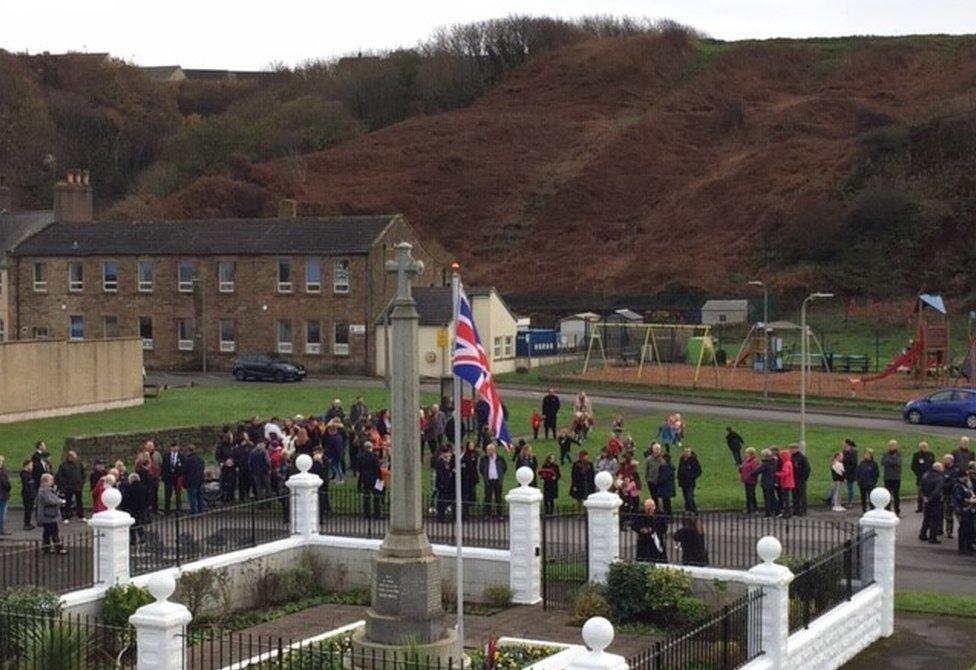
x=201 y=292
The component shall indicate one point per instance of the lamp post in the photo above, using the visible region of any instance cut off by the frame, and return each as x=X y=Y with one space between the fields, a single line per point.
x=803 y=365
x=765 y=289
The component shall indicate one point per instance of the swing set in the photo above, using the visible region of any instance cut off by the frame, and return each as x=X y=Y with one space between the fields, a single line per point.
x=660 y=343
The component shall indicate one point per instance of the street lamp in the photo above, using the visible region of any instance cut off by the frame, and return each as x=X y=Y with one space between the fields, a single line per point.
x=756 y=282
x=803 y=365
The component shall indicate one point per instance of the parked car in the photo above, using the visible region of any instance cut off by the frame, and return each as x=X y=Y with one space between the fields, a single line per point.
x=262 y=366
x=951 y=407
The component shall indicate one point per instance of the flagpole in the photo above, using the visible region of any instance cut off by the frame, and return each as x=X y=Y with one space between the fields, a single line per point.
x=458 y=518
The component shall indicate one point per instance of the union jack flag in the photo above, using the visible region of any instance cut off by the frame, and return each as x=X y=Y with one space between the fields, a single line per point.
x=471 y=365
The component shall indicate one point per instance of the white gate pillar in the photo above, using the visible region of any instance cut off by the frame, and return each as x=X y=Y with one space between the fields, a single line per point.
x=603 y=528
x=525 y=540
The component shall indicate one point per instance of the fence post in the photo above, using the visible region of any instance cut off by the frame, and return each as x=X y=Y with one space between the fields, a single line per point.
x=597 y=636
x=603 y=528
x=525 y=540
x=885 y=526
x=304 y=488
x=111 y=552
x=161 y=628
x=774 y=580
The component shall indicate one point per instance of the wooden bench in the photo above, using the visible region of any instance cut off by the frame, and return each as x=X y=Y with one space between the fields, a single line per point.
x=152 y=391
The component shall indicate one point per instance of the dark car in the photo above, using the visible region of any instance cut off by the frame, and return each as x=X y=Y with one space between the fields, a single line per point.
x=951 y=407
x=262 y=366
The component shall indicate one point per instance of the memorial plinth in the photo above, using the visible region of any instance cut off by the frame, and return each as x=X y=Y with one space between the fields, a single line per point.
x=405 y=615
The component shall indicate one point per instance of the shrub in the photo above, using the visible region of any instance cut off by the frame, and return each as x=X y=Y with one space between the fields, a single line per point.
x=590 y=602
x=626 y=589
x=30 y=599
x=61 y=646
x=204 y=591
x=121 y=602
x=498 y=596
x=688 y=611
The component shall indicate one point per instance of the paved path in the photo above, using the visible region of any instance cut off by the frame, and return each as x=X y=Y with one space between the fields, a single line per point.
x=921 y=643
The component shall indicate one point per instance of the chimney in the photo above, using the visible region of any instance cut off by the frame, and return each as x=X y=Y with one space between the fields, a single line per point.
x=73 y=197
x=287 y=208
x=6 y=197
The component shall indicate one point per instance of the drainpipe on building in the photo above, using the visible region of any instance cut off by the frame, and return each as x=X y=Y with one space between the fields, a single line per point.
x=199 y=321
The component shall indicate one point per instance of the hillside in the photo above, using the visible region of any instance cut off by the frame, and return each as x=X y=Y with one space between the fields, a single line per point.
x=660 y=163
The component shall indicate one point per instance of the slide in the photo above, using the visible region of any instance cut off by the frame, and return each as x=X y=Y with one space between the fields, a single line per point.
x=907 y=358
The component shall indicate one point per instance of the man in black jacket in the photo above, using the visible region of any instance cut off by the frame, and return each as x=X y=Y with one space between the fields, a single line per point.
x=922 y=461
x=40 y=463
x=171 y=471
x=492 y=470
x=801 y=473
x=469 y=478
x=481 y=412
x=323 y=471
x=70 y=481
x=193 y=469
x=734 y=442
x=370 y=482
x=550 y=410
x=930 y=489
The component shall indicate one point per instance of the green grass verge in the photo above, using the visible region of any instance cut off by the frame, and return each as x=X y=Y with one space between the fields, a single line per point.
x=718 y=488
x=932 y=602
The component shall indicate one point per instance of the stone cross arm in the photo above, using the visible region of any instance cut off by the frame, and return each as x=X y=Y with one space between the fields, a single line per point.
x=405 y=266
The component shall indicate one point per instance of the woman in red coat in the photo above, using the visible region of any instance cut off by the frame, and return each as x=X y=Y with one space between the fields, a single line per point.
x=785 y=482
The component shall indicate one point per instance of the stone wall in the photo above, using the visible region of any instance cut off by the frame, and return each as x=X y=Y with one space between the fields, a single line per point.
x=112 y=447
x=839 y=635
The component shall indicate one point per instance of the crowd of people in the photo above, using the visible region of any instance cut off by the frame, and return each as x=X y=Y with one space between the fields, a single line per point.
x=254 y=459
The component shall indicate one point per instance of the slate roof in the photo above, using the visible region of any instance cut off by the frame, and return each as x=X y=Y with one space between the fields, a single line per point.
x=301 y=235
x=435 y=305
x=16 y=227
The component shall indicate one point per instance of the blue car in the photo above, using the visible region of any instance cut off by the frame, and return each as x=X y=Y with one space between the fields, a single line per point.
x=951 y=407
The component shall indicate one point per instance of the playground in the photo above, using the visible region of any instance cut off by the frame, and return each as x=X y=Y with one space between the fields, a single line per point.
x=930 y=356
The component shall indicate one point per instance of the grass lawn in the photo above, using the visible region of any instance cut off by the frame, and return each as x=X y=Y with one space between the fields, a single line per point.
x=929 y=602
x=718 y=488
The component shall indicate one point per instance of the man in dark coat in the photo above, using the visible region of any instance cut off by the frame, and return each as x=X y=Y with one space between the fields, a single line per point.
x=135 y=501
x=358 y=412
x=550 y=410
x=930 y=489
x=469 y=478
x=650 y=529
x=40 y=463
x=193 y=469
x=242 y=464
x=370 y=482
x=172 y=471
x=70 y=480
x=801 y=474
x=964 y=500
x=481 y=411
x=492 y=470
x=444 y=481
x=734 y=442
x=922 y=461
x=324 y=472
x=255 y=430
x=259 y=463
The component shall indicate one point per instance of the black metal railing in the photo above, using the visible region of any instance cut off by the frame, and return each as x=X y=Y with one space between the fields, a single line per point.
x=214 y=650
x=347 y=512
x=565 y=558
x=68 y=566
x=181 y=538
x=824 y=582
x=36 y=641
x=730 y=537
x=729 y=639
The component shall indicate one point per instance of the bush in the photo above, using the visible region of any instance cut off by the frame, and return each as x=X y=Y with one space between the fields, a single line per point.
x=590 y=602
x=58 y=646
x=122 y=601
x=626 y=589
x=498 y=596
x=30 y=599
x=204 y=591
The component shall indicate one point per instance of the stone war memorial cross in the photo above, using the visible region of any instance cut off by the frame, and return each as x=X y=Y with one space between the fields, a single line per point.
x=405 y=615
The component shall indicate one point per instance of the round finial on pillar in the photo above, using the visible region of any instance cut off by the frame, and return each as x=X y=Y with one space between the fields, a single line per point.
x=303 y=463
x=604 y=480
x=769 y=548
x=597 y=633
x=880 y=497
x=161 y=586
x=111 y=498
x=523 y=476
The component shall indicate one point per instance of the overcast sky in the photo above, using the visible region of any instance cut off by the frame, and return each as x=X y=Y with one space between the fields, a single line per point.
x=249 y=35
